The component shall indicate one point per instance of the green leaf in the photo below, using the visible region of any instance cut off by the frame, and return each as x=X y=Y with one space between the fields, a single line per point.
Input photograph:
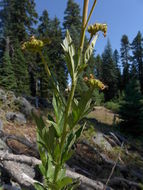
x=67 y=42
x=64 y=182
x=74 y=185
x=52 y=186
x=50 y=171
x=79 y=131
x=67 y=155
x=89 y=50
x=57 y=128
x=69 y=54
x=39 y=121
x=62 y=174
x=42 y=169
x=57 y=152
x=39 y=186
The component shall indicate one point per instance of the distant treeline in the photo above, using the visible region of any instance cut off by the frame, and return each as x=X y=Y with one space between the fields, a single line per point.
x=24 y=73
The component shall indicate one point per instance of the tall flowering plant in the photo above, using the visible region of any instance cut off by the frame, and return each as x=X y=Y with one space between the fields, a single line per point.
x=56 y=135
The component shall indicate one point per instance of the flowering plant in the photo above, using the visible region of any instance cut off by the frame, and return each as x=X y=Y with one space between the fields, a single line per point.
x=56 y=135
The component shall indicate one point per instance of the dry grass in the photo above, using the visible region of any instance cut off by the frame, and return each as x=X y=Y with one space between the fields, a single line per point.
x=103 y=115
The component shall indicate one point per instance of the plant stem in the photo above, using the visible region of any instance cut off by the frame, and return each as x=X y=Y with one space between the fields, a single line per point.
x=50 y=77
x=45 y=64
x=67 y=113
x=63 y=138
x=91 y=11
x=84 y=19
x=74 y=82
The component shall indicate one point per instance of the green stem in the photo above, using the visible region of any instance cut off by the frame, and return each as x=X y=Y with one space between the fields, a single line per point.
x=68 y=108
x=90 y=14
x=74 y=82
x=45 y=64
x=67 y=111
x=84 y=20
x=50 y=77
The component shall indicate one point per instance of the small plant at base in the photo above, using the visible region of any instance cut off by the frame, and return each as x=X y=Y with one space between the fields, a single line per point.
x=56 y=135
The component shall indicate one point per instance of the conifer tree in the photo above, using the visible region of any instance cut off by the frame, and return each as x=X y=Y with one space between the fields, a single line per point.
x=125 y=60
x=20 y=15
x=131 y=109
x=20 y=70
x=7 y=77
x=117 y=68
x=43 y=32
x=72 y=20
x=109 y=76
x=55 y=53
x=137 y=50
x=98 y=67
x=44 y=26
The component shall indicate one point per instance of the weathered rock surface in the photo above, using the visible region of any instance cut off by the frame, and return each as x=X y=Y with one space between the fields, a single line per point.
x=16 y=117
x=1 y=124
x=24 y=106
x=101 y=141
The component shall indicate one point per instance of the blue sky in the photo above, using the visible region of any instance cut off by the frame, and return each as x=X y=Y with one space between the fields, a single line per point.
x=121 y=16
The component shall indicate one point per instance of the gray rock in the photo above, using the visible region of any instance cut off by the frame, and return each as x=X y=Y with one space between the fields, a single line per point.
x=11 y=95
x=1 y=125
x=16 y=117
x=3 y=145
x=11 y=187
x=24 y=106
x=2 y=95
x=2 y=92
x=101 y=142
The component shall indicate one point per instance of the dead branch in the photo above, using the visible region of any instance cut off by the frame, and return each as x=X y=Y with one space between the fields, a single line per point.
x=31 y=161
x=116 y=181
x=9 y=163
x=18 y=175
x=95 y=185
x=113 y=168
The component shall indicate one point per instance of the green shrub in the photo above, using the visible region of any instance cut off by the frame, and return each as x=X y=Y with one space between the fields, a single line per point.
x=114 y=106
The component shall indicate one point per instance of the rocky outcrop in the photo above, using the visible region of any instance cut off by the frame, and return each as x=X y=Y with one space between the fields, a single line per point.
x=24 y=106
x=16 y=117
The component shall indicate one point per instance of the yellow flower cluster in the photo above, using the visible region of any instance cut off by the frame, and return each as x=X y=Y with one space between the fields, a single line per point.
x=94 y=83
x=93 y=29
x=33 y=45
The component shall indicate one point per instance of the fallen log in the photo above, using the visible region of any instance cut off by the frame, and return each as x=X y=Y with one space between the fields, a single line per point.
x=116 y=181
x=10 y=164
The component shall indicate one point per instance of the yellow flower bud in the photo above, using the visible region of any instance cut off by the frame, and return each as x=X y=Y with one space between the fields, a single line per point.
x=94 y=83
x=33 y=44
x=93 y=29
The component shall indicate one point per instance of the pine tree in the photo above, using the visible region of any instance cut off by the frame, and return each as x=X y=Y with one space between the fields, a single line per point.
x=19 y=18
x=20 y=70
x=7 y=77
x=131 y=109
x=43 y=32
x=98 y=67
x=72 y=20
x=125 y=60
x=44 y=26
x=137 y=50
x=117 y=68
x=2 y=23
x=55 y=53
x=109 y=76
